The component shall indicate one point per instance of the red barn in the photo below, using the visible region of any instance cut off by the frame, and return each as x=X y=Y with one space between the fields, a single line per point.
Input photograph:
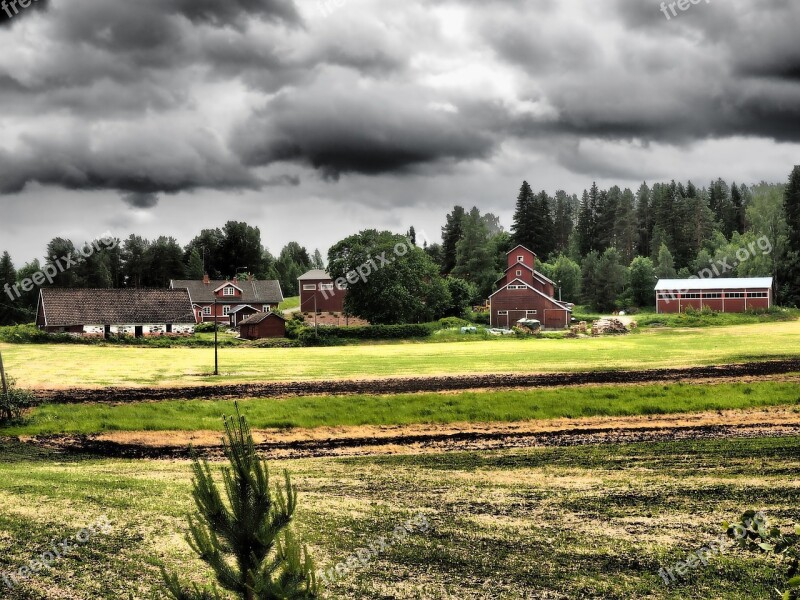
x=524 y=293
x=262 y=325
x=721 y=295
x=319 y=294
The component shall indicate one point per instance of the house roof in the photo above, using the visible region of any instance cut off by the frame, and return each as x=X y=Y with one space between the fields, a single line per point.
x=70 y=306
x=563 y=305
x=314 y=274
x=523 y=247
x=240 y=307
x=258 y=317
x=267 y=291
x=722 y=283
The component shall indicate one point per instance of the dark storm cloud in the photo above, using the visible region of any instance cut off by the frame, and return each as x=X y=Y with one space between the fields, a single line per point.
x=140 y=199
x=338 y=130
x=148 y=165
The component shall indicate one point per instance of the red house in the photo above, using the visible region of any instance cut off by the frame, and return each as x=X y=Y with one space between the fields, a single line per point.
x=319 y=294
x=524 y=293
x=721 y=295
x=228 y=295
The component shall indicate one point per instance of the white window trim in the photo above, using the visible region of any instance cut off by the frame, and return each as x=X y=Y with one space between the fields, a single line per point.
x=228 y=291
x=519 y=273
x=531 y=312
x=266 y=308
x=326 y=286
x=520 y=259
x=502 y=313
x=226 y=310
x=207 y=311
x=309 y=287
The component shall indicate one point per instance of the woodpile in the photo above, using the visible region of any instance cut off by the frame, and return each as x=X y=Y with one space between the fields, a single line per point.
x=608 y=327
x=579 y=328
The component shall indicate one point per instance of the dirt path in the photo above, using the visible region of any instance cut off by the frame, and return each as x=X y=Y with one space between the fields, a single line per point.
x=415 y=439
x=396 y=385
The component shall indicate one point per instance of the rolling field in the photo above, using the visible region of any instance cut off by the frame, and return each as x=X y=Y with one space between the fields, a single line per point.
x=405 y=409
x=581 y=522
x=59 y=366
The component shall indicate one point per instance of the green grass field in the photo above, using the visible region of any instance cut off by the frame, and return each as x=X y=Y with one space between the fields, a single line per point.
x=289 y=303
x=406 y=409
x=582 y=522
x=66 y=365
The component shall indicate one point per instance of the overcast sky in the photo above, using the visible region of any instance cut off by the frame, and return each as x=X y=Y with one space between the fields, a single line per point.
x=313 y=120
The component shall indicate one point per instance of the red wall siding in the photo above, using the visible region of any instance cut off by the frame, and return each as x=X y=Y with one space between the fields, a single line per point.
x=326 y=300
x=271 y=327
x=517 y=302
x=731 y=305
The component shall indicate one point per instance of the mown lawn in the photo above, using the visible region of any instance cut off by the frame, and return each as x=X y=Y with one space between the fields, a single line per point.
x=582 y=522
x=402 y=409
x=78 y=366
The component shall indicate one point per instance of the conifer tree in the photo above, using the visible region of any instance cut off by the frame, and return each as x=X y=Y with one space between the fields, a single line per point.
x=451 y=235
x=523 y=227
x=791 y=205
x=245 y=541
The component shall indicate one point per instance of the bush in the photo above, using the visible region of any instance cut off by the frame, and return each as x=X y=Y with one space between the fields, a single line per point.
x=330 y=336
x=452 y=323
x=479 y=318
x=274 y=343
x=205 y=327
x=13 y=405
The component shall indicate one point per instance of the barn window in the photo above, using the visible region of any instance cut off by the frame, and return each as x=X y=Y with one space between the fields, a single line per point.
x=757 y=294
x=517 y=287
x=226 y=310
x=712 y=295
x=228 y=291
x=206 y=310
x=502 y=313
x=265 y=308
x=520 y=259
x=519 y=273
x=309 y=287
x=734 y=295
x=326 y=286
x=692 y=296
x=531 y=312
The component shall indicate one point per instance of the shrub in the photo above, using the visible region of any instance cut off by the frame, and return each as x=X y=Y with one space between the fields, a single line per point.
x=376 y=332
x=274 y=343
x=15 y=403
x=452 y=323
x=205 y=327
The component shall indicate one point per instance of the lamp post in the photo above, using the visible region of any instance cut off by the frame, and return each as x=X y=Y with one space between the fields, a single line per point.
x=216 y=348
x=559 y=290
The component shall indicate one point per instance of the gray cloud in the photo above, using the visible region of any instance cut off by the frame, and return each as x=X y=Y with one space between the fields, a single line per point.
x=165 y=96
x=140 y=199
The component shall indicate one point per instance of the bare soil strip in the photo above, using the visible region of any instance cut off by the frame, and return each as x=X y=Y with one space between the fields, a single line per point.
x=414 y=439
x=398 y=385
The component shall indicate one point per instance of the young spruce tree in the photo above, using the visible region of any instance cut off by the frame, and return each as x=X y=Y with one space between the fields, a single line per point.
x=246 y=542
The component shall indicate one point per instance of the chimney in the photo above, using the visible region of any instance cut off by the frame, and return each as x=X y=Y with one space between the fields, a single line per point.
x=235 y=279
x=206 y=279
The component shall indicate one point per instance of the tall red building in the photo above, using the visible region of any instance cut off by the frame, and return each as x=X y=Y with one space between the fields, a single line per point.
x=524 y=293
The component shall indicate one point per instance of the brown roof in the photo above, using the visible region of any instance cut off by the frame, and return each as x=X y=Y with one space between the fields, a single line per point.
x=258 y=317
x=70 y=306
x=267 y=291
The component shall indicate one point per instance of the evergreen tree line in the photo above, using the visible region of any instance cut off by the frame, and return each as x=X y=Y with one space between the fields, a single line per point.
x=137 y=262
x=608 y=248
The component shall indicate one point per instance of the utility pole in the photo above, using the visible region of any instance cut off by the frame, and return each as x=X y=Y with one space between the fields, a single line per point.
x=216 y=349
x=315 y=311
